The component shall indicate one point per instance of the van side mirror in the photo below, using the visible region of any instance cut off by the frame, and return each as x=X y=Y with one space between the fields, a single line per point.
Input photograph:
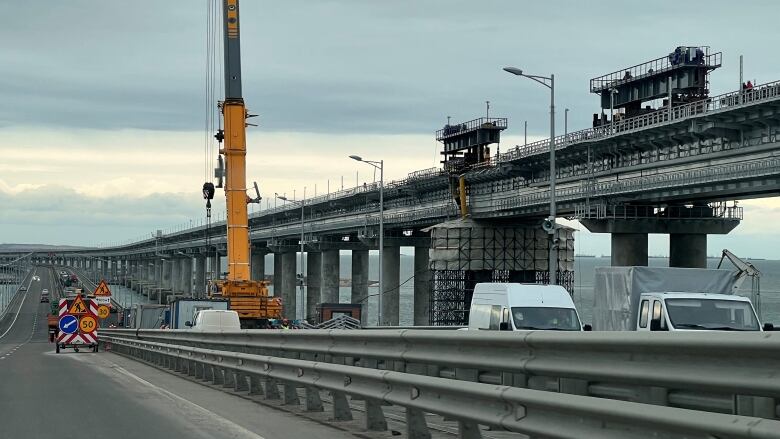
x=504 y=326
x=188 y=323
x=769 y=327
x=587 y=327
x=655 y=324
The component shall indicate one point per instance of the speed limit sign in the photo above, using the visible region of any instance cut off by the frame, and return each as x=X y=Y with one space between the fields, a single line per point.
x=103 y=311
x=87 y=324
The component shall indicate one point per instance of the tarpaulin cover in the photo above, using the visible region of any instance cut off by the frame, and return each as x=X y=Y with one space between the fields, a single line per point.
x=617 y=290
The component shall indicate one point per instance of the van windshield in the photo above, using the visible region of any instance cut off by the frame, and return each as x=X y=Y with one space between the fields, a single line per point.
x=711 y=314
x=560 y=319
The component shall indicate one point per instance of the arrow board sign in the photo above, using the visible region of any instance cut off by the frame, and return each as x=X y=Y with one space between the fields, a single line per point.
x=69 y=324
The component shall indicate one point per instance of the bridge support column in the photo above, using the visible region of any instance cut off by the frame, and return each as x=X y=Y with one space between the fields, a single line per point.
x=629 y=249
x=360 y=282
x=688 y=250
x=214 y=266
x=391 y=267
x=330 y=276
x=313 y=284
x=175 y=275
x=258 y=265
x=199 y=289
x=288 y=284
x=277 y=281
x=422 y=287
x=166 y=267
x=186 y=277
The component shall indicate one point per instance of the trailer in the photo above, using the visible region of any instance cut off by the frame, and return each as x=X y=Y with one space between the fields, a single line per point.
x=77 y=324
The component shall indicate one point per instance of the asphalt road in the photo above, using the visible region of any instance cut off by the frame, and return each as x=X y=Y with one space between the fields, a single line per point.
x=85 y=394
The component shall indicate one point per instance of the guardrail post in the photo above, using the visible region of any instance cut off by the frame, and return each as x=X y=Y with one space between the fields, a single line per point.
x=228 y=378
x=341 y=410
x=217 y=377
x=757 y=406
x=416 y=427
x=291 y=394
x=313 y=401
x=255 y=385
x=272 y=389
x=468 y=430
x=375 y=417
x=240 y=380
x=200 y=371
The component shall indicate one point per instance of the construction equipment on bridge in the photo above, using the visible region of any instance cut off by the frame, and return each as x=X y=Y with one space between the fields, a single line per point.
x=744 y=270
x=250 y=298
x=680 y=78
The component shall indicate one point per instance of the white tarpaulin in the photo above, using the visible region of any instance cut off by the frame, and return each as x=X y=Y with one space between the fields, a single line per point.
x=617 y=289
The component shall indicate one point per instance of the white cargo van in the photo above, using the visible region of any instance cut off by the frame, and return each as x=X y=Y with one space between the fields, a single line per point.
x=522 y=307
x=214 y=320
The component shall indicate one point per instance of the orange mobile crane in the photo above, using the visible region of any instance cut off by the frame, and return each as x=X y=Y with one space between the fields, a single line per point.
x=250 y=298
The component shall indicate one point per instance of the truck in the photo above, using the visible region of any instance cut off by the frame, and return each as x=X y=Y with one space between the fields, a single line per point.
x=184 y=309
x=669 y=299
x=523 y=307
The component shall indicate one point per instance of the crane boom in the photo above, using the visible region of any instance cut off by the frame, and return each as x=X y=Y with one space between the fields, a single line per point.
x=248 y=297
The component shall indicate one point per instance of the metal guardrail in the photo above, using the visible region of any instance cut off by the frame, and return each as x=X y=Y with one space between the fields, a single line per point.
x=532 y=412
x=730 y=373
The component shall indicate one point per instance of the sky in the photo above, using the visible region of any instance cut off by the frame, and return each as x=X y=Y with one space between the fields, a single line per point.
x=103 y=103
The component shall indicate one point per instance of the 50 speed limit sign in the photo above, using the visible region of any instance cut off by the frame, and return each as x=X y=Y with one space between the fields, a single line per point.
x=87 y=324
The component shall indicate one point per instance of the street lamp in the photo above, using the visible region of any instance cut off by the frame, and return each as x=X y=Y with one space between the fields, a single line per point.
x=303 y=270
x=381 y=166
x=548 y=82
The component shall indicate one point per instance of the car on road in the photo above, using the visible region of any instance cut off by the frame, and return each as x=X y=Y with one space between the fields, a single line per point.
x=22 y=288
x=45 y=295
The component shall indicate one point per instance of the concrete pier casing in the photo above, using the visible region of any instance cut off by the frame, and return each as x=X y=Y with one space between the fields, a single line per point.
x=167 y=278
x=391 y=268
x=313 y=283
x=277 y=282
x=289 y=302
x=422 y=287
x=360 y=281
x=629 y=249
x=175 y=275
x=186 y=276
x=688 y=250
x=330 y=276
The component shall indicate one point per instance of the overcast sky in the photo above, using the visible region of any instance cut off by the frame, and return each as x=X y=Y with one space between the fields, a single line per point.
x=102 y=103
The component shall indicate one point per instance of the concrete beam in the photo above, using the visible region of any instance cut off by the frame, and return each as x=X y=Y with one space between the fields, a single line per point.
x=709 y=226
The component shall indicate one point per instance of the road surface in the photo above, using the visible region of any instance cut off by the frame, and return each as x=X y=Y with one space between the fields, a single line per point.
x=85 y=394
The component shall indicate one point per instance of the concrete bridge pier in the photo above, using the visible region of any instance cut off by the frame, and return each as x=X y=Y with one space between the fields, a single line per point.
x=175 y=282
x=688 y=250
x=391 y=268
x=199 y=289
x=288 y=284
x=277 y=281
x=186 y=276
x=330 y=276
x=422 y=286
x=360 y=281
x=628 y=249
x=313 y=284
x=258 y=264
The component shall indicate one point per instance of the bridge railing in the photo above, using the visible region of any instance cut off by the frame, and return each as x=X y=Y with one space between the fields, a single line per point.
x=723 y=373
x=535 y=412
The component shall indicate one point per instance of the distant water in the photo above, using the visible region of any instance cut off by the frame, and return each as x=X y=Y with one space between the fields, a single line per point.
x=583 y=285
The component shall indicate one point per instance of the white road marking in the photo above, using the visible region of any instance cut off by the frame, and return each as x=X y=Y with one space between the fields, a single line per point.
x=221 y=423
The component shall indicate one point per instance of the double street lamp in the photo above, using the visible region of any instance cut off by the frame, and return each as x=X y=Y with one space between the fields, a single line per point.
x=381 y=166
x=550 y=226
x=303 y=269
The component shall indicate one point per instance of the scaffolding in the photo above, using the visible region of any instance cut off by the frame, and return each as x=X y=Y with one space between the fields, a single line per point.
x=466 y=252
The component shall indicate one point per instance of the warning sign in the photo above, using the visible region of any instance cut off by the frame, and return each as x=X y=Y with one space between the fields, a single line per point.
x=78 y=306
x=102 y=290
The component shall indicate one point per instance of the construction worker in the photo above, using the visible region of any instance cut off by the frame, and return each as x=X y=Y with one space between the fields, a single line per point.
x=285 y=324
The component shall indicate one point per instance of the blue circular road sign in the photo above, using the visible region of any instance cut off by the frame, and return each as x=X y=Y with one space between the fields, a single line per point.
x=69 y=324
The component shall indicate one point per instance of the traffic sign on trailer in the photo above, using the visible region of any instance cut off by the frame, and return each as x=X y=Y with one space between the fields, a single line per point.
x=87 y=324
x=78 y=306
x=102 y=289
x=68 y=324
x=103 y=311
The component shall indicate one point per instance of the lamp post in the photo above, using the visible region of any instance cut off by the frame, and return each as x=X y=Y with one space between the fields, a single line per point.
x=548 y=82
x=381 y=166
x=303 y=269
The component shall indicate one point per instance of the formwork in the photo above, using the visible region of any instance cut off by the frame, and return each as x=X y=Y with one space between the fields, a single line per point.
x=466 y=252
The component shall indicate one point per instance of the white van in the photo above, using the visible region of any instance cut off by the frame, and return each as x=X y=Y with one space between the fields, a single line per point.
x=214 y=320
x=523 y=307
